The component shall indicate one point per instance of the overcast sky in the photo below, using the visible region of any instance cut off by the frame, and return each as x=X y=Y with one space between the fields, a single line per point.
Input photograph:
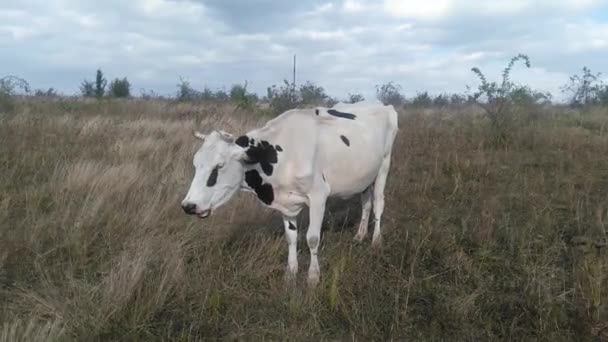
x=343 y=45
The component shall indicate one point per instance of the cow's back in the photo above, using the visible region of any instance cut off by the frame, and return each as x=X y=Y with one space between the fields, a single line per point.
x=351 y=148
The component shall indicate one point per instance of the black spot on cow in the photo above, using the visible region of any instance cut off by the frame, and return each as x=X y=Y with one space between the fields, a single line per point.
x=345 y=140
x=213 y=177
x=317 y=111
x=263 y=153
x=251 y=142
x=242 y=141
x=292 y=226
x=263 y=190
x=341 y=114
x=278 y=148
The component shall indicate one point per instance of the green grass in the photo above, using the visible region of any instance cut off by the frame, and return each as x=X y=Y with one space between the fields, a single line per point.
x=481 y=242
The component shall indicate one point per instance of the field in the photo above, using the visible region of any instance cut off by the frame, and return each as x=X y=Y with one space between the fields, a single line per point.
x=481 y=241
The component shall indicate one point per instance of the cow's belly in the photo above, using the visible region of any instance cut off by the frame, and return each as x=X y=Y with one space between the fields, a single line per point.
x=351 y=175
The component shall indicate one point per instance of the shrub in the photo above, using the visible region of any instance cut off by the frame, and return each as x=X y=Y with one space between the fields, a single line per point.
x=87 y=88
x=497 y=99
x=185 y=92
x=422 y=100
x=282 y=98
x=46 y=93
x=240 y=97
x=586 y=89
x=312 y=94
x=120 y=88
x=354 y=98
x=9 y=86
x=389 y=93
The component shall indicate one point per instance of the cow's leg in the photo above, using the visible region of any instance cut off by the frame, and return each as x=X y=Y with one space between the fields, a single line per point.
x=379 y=185
x=313 y=235
x=291 y=235
x=366 y=206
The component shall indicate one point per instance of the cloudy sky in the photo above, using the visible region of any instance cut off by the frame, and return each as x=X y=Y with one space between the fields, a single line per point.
x=342 y=45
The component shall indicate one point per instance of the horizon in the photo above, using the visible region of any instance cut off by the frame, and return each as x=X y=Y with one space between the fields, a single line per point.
x=343 y=46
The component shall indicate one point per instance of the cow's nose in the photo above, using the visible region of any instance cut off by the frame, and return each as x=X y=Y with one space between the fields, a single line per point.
x=189 y=208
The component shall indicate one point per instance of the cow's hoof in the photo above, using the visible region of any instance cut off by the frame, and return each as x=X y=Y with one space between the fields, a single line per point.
x=313 y=281
x=359 y=237
x=377 y=241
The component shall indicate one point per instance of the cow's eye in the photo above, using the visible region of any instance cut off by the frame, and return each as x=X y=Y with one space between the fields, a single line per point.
x=220 y=165
x=212 y=177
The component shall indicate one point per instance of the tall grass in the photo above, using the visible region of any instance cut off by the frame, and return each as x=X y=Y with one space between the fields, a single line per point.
x=481 y=243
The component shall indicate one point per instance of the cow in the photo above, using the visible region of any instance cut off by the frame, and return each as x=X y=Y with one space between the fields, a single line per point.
x=300 y=158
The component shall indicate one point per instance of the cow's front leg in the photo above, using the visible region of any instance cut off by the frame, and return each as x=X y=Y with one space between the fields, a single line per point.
x=313 y=235
x=291 y=235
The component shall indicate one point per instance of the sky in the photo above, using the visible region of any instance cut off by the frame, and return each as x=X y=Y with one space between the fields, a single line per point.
x=346 y=46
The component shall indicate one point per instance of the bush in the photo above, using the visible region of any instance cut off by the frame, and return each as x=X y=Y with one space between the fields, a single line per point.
x=185 y=92
x=422 y=100
x=282 y=98
x=586 y=89
x=312 y=94
x=389 y=93
x=497 y=100
x=9 y=86
x=354 y=98
x=46 y=93
x=240 y=97
x=120 y=88
x=87 y=88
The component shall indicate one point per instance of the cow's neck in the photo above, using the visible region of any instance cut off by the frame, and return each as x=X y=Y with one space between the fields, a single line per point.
x=262 y=161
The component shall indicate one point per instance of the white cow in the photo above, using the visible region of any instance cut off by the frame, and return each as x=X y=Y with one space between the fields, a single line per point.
x=300 y=158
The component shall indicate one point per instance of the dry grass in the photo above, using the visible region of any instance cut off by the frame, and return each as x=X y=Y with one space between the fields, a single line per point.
x=481 y=243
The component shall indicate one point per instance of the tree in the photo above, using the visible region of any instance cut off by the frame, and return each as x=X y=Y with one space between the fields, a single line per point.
x=584 y=89
x=242 y=99
x=120 y=88
x=311 y=94
x=354 y=98
x=499 y=100
x=282 y=98
x=87 y=88
x=389 y=93
x=100 y=84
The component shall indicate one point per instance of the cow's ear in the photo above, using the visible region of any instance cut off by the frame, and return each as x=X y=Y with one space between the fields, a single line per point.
x=227 y=137
x=239 y=153
x=199 y=135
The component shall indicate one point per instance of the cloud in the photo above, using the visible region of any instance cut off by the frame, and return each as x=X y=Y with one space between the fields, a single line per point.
x=343 y=45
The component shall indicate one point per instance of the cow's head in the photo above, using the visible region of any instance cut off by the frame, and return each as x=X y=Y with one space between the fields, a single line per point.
x=218 y=173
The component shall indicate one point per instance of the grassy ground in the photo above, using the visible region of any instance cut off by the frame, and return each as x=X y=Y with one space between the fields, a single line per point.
x=481 y=242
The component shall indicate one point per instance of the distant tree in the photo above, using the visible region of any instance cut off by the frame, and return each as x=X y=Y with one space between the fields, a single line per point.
x=120 y=88
x=45 y=93
x=87 y=88
x=185 y=92
x=311 y=94
x=240 y=96
x=354 y=98
x=584 y=89
x=9 y=86
x=441 y=100
x=220 y=95
x=282 y=98
x=422 y=100
x=389 y=93
x=458 y=99
x=100 y=84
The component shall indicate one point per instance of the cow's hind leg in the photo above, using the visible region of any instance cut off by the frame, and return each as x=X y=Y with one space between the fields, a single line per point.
x=379 y=185
x=317 y=202
x=291 y=235
x=366 y=206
